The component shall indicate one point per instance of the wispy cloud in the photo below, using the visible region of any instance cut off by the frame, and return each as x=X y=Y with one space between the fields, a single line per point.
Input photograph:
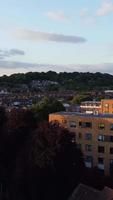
x=84 y=12
x=86 y=17
x=105 y=8
x=58 y=16
x=12 y=52
x=53 y=37
x=25 y=67
x=16 y=65
x=100 y=67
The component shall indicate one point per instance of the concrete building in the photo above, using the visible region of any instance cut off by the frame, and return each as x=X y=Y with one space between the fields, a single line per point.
x=91 y=107
x=108 y=94
x=94 y=135
x=104 y=106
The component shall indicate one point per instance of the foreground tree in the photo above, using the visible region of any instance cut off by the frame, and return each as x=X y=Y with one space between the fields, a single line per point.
x=48 y=167
x=3 y=119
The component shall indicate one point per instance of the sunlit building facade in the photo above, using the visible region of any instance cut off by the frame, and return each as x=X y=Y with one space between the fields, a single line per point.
x=94 y=136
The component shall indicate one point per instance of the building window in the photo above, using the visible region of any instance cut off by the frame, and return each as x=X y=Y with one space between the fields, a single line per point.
x=101 y=164
x=88 y=136
x=100 y=149
x=111 y=162
x=72 y=124
x=104 y=138
x=111 y=138
x=55 y=121
x=111 y=127
x=85 y=124
x=111 y=150
x=64 y=121
x=106 y=105
x=101 y=126
x=111 y=166
x=101 y=138
x=80 y=123
x=88 y=147
x=79 y=135
x=100 y=160
x=88 y=161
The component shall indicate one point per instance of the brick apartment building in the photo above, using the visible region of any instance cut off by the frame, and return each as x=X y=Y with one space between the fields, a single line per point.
x=107 y=106
x=94 y=135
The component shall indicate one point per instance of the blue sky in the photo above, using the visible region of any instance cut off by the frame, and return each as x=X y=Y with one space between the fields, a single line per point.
x=60 y=35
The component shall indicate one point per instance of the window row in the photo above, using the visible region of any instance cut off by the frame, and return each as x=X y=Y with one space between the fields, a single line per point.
x=87 y=136
x=108 y=105
x=100 y=137
x=105 y=138
x=100 y=165
x=101 y=149
x=101 y=126
x=100 y=160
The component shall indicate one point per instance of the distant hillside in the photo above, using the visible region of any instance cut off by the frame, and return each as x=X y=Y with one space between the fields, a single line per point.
x=66 y=81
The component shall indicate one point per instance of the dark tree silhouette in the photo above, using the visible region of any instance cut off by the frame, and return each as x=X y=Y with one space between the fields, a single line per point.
x=48 y=167
x=3 y=119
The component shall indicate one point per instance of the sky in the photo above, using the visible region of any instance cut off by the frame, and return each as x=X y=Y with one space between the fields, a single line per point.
x=57 y=35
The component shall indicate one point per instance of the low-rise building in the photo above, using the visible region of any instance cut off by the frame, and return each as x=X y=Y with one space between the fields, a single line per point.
x=108 y=94
x=91 y=107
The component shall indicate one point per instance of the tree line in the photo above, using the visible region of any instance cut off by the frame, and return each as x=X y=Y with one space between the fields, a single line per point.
x=66 y=81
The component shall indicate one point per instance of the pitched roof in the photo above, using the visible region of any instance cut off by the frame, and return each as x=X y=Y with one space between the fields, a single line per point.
x=107 y=194
x=84 y=192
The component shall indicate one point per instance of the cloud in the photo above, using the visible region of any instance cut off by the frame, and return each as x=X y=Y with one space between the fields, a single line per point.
x=11 y=67
x=58 y=16
x=17 y=52
x=84 y=12
x=12 y=52
x=16 y=65
x=53 y=37
x=100 y=67
x=105 y=9
x=88 y=19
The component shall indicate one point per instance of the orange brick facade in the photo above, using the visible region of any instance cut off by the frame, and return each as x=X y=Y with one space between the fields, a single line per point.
x=107 y=106
x=94 y=135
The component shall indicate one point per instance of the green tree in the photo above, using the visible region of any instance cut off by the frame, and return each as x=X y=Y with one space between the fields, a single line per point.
x=47 y=106
x=79 y=98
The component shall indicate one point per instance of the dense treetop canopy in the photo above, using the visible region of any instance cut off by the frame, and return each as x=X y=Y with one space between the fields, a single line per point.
x=66 y=81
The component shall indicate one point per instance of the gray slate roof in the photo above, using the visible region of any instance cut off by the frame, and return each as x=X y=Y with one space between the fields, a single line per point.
x=83 y=114
x=83 y=192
